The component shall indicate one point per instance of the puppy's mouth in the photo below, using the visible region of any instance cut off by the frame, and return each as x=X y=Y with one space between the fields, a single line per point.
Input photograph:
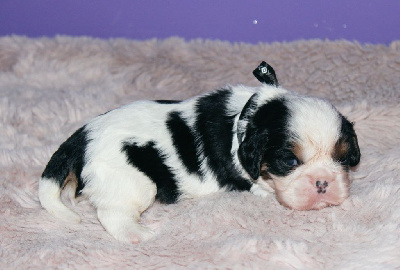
x=310 y=201
x=311 y=204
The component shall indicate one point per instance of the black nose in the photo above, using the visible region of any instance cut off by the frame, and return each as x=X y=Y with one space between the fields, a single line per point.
x=321 y=186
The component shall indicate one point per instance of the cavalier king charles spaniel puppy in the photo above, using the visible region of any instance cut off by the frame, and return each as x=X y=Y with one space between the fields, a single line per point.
x=237 y=138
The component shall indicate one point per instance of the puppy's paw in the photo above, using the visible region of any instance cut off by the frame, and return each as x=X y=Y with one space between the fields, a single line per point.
x=135 y=234
x=262 y=190
x=124 y=227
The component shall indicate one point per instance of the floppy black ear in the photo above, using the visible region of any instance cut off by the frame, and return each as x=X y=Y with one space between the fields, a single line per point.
x=353 y=154
x=266 y=74
x=257 y=125
x=250 y=152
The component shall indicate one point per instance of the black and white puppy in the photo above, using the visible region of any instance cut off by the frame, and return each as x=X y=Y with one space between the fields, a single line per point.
x=234 y=139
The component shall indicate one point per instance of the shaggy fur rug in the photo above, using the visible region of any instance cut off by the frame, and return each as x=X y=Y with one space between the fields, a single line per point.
x=50 y=87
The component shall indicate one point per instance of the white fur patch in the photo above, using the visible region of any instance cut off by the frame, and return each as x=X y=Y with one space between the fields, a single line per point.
x=49 y=196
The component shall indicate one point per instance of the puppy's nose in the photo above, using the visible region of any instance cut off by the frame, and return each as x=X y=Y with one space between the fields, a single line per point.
x=321 y=186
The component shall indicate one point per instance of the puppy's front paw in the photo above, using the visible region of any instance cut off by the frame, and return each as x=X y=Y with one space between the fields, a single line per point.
x=262 y=189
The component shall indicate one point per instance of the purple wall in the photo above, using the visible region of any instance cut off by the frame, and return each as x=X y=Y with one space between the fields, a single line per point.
x=368 y=21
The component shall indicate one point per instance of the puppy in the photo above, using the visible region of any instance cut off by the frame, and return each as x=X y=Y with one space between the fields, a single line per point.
x=233 y=139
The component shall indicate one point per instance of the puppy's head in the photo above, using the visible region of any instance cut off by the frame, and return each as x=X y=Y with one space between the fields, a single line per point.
x=302 y=146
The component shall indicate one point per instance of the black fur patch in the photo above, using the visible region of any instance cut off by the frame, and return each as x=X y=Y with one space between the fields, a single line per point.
x=149 y=160
x=349 y=137
x=274 y=117
x=184 y=141
x=267 y=140
x=215 y=129
x=68 y=158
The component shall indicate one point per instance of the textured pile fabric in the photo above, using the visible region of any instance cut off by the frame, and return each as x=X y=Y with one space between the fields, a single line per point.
x=49 y=87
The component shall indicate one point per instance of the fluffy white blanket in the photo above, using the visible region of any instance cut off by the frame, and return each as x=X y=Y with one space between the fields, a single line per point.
x=50 y=87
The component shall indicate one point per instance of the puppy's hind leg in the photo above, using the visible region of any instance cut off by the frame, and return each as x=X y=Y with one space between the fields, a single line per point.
x=123 y=225
x=120 y=197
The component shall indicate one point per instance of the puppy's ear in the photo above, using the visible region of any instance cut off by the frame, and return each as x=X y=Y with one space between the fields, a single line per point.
x=266 y=74
x=257 y=125
x=250 y=151
x=353 y=155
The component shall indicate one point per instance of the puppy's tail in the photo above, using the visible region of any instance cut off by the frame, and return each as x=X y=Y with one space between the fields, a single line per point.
x=50 y=198
x=63 y=169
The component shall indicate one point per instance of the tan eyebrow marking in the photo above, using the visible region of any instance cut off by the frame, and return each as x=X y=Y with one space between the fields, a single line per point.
x=340 y=150
x=298 y=152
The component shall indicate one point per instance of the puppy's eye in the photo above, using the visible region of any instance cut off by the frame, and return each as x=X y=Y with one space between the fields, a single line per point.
x=291 y=162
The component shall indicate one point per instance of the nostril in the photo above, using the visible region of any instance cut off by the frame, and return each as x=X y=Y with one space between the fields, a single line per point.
x=321 y=186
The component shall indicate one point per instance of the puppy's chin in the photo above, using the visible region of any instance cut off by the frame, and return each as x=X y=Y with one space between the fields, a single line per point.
x=311 y=188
